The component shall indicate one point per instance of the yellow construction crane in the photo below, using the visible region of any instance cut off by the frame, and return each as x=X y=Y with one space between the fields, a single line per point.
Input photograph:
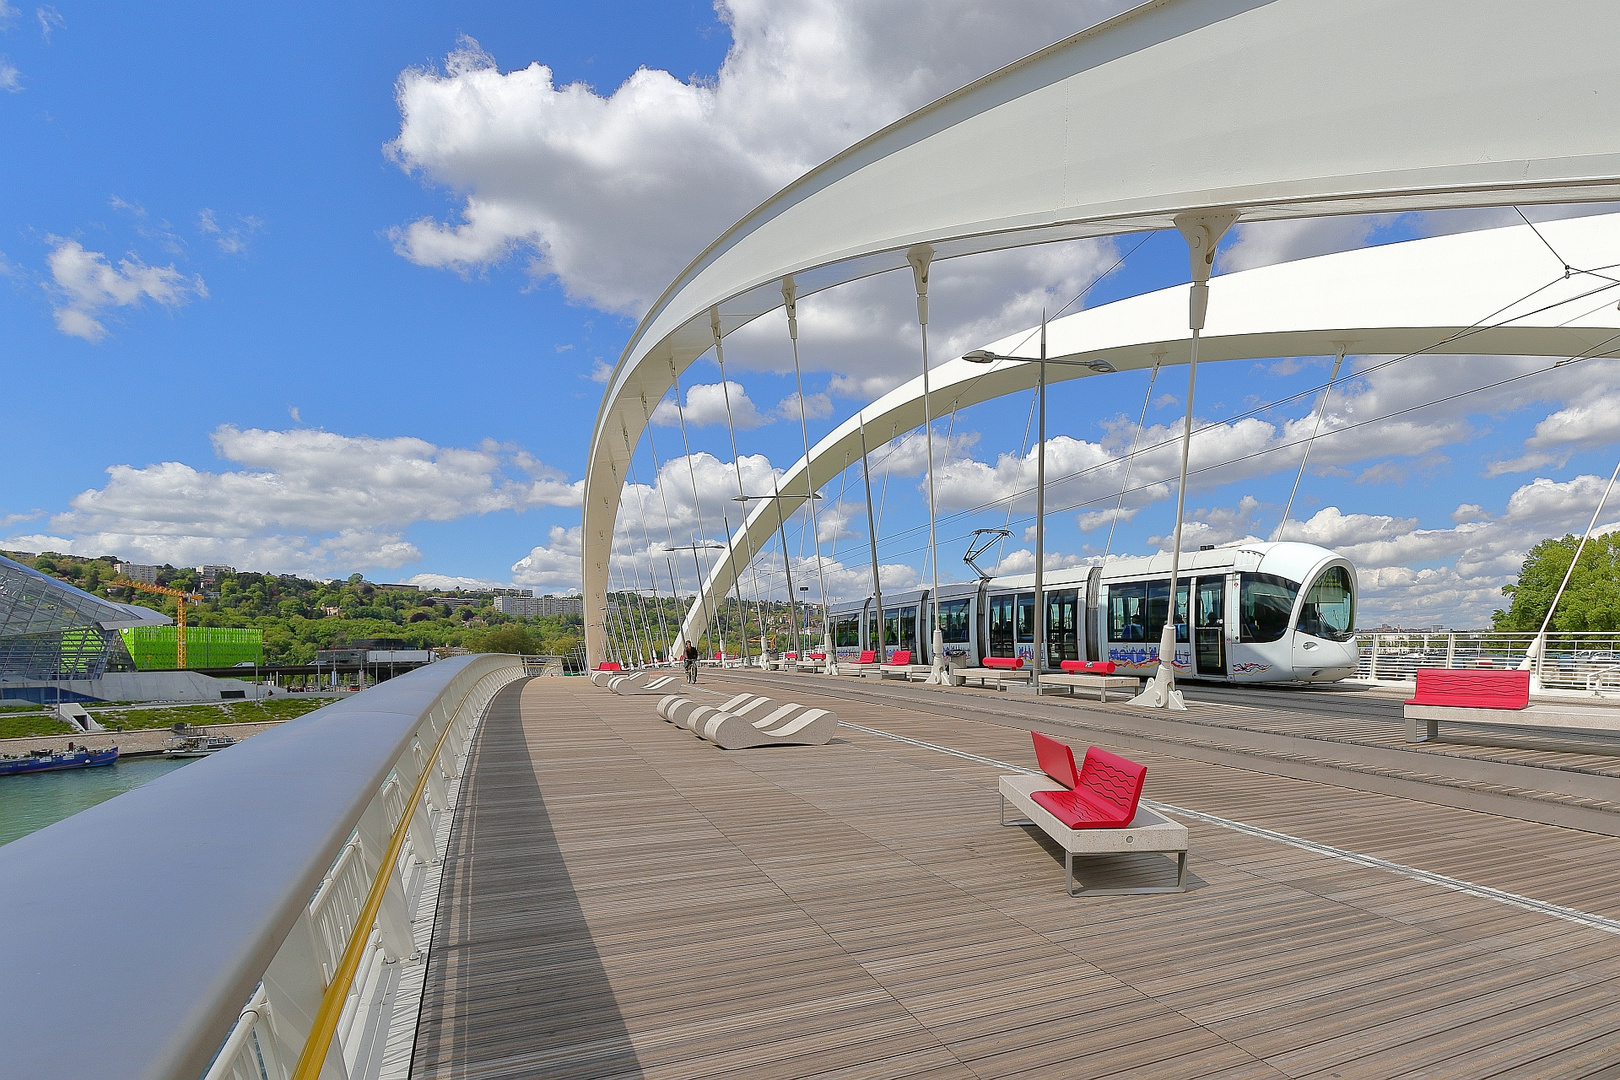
x=180 y=598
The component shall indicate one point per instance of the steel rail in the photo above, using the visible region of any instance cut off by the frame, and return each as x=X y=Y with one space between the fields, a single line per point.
x=313 y=1057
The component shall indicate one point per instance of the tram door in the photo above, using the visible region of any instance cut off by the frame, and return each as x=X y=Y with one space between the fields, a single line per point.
x=1209 y=633
x=1062 y=626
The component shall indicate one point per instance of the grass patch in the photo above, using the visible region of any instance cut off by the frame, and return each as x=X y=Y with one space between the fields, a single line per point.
x=27 y=726
x=226 y=712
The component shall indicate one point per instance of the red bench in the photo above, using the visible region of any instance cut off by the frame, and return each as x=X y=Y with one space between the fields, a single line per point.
x=1102 y=795
x=609 y=665
x=900 y=656
x=1093 y=809
x=1453 y=694
x=1009 y=663
x=1089 y=667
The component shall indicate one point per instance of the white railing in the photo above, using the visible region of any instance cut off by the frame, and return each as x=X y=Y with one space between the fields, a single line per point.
x=1585 y=662
x=271 y=937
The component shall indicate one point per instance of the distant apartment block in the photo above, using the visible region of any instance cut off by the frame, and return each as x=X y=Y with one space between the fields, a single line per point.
x=532 y=606
x=215 y=570
x=136 y=572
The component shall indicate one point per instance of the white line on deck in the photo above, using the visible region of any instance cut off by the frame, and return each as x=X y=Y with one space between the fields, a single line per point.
x=1485 y=892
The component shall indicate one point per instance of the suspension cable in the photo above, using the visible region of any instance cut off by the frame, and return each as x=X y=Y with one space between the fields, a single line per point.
x=1130 y=459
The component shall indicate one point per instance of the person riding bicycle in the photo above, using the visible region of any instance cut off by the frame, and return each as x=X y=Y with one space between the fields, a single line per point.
x=691 y=662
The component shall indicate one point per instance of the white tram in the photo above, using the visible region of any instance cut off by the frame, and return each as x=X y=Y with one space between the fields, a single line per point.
x=1260 y=613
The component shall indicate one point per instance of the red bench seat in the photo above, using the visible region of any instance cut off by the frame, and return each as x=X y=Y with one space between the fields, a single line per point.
x=1010 y=663
x=1476 y=689
x=1102 y=794
x=609 y=665
x=868 y=657
x=901 y=657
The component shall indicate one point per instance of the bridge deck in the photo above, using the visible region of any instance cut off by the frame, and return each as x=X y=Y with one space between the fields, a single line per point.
x=624 y=900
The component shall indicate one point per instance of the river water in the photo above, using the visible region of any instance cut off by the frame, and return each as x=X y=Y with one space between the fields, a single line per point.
x=34 y=800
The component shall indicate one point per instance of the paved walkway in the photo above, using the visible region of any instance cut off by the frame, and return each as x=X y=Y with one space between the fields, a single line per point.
x=623 y=900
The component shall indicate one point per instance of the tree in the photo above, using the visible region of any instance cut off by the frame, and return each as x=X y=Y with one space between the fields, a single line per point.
x=510 y=638
x=1591 y=601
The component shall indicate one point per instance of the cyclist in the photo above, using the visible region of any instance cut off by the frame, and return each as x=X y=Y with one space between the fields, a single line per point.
x=691 y=662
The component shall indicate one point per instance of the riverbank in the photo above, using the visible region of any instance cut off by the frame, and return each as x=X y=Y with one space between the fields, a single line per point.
x=135 y=743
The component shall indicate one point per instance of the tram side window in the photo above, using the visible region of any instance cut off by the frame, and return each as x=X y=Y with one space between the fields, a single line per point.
x=1329 y=610
x=1158 y=603
x=955 y=624
x=1127 y=612
x=847 y=631
x=1265 y=604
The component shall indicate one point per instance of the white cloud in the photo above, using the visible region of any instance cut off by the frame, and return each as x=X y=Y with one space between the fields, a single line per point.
x=613 y=194
x=601 y=372
x=232 y=239
x=10 y=77
x=50 y=21
x=447 y=582
x=816 y=407
x=305 y=500
x=85 y=283
x=553 y=567
x=706 y=403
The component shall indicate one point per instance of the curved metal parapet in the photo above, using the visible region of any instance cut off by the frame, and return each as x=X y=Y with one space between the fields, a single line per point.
x=1174 y=107
x=1494 y=292
x=156 y=913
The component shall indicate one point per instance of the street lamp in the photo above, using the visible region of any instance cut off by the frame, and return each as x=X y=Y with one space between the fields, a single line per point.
x=781 y=527
x=707 y=545
x=1101 y=367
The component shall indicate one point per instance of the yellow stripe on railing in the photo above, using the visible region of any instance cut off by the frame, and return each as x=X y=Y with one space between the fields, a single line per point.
x=324 y=1029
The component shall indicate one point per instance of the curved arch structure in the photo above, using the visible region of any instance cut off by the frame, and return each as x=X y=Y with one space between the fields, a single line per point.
x=1175 y=107
x=1495 y=292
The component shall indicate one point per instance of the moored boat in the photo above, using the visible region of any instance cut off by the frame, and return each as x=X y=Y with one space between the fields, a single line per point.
x=196 y=746
x=57 y=760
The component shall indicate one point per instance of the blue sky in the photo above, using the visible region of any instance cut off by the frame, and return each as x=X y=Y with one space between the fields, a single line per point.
x=325 y=288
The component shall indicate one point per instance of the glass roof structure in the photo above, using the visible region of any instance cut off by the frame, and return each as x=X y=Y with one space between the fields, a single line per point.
x=51 y=630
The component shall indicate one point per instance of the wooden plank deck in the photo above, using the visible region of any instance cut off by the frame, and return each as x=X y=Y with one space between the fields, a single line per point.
x=624 y=900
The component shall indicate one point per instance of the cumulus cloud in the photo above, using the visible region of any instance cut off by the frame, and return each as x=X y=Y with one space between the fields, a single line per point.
x=612 y=194
x=554 y=566
x=84 y=283
x=10 y=77
x=448 y=582
x=304 y=500
x=706 y=403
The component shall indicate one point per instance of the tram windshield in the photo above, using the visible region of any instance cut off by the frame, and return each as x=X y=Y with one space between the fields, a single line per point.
x=1329 y=610
x=1265 y=604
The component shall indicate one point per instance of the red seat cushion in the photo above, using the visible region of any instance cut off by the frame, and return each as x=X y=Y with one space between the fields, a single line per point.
x=1476 y=689
x=1077 y=811
x=818 y=656
x=901 y=656
x=609 y=665
x=1089 y=667
x=790 y=656
x=1010 y=663
x=867 y=657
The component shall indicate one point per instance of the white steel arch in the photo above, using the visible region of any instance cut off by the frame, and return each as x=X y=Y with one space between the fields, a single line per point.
x=1267 y=108
x=1494 y=292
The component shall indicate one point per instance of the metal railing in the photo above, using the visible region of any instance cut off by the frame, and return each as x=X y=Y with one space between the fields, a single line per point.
x=289 y=887
x=1584 y=662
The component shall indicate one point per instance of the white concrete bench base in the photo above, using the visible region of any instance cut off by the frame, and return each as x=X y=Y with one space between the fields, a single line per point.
x=999 y=678
x=1148 y=831
x=1070 y=681
x=1423 y=721
x=903 y=672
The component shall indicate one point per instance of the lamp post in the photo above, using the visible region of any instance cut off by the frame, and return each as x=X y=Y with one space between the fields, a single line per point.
x=781 y=528
x=694 y=548
x=984 y=356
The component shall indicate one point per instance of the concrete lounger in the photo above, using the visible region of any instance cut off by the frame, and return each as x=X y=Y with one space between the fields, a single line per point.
x=802 y=727
x=652 y=683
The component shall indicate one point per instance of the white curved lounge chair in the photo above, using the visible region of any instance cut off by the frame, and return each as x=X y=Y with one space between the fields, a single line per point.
x=812 y=727
x=645 y=683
